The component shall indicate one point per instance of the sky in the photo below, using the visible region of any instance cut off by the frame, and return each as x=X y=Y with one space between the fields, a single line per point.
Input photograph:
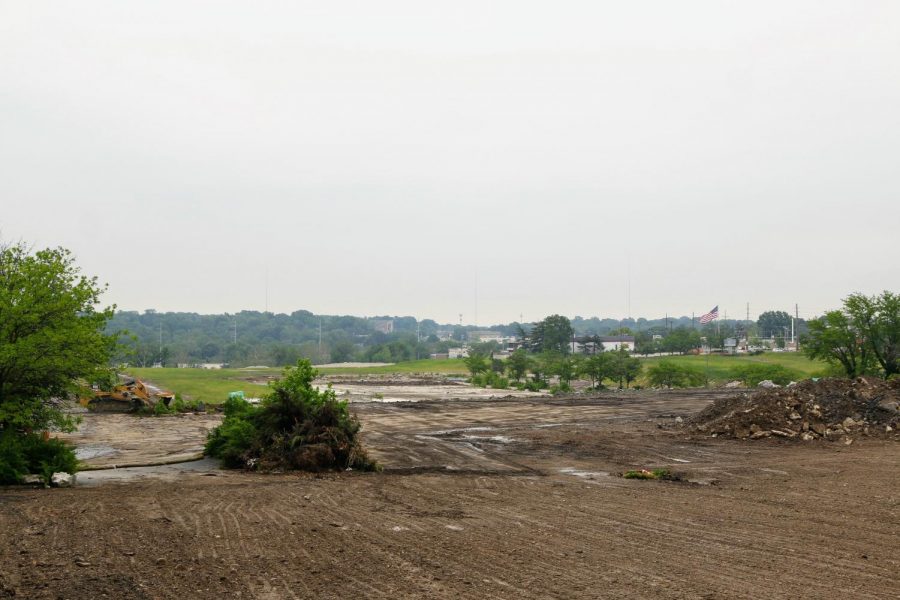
x=498 y=160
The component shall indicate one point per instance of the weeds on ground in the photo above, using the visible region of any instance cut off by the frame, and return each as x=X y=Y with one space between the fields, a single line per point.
x=662 y=474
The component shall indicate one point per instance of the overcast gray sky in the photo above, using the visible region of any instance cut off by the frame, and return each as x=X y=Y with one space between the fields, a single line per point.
x=383 y=157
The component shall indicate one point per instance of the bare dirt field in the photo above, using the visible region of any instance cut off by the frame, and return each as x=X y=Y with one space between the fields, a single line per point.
x=502 y=498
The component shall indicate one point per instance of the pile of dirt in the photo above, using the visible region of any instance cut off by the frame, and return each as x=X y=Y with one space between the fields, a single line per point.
x=830 y=409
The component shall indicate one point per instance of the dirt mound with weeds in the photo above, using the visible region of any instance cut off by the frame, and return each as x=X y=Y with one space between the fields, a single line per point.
x=831 y=409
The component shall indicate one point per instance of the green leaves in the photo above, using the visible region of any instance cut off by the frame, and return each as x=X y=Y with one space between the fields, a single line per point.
x=51 y=335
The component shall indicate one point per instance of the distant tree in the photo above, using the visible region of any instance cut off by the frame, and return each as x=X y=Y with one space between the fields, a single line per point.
x=620 y=331
x=681 y=340
x=644 y=343
x=597 y=367
x=565 y=367
x=477 y=363
x=553 y=334
x=625 y=368
x=342 y=351
x=668 y=373
x=517 y=364
x=773 y=323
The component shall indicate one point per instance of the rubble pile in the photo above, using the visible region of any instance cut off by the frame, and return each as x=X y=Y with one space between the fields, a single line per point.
x=831 y=409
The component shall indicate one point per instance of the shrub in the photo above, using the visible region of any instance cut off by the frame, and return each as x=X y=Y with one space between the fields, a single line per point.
x=23 y=454
x=535 y=385
x=297 y=426
x=562 y=387
x=752 y=374
x=490 y=379
x=667 y=373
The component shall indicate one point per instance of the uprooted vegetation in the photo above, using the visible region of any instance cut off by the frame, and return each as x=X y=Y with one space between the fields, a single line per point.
x=829 y=408
x=296 y=427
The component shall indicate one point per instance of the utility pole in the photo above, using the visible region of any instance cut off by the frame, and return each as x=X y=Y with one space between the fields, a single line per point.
x=797 y=317
x=320 y=338
x=234 y=331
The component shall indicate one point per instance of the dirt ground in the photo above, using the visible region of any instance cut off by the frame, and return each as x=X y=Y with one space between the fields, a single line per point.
x=503 y=498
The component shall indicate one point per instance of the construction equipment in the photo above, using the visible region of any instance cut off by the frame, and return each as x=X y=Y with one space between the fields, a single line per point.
x=130 y=396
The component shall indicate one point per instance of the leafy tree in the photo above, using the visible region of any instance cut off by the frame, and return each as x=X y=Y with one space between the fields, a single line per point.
x=517 y=364
x=644 y=343
x=681 y=340
x=860 y=338
x=563 y=366
x=553 y=334
x=834 y=339
x=772 y=323
x=597 y=367
x=625 y=368
x=668 y=373
x=877 y=319
x=51 y=336
x=476 y=363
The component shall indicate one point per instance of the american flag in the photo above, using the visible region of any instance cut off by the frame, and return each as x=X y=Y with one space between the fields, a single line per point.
x=710 y=316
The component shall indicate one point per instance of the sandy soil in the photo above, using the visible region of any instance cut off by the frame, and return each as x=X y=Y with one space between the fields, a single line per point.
x=512 y=498
x=107 y=440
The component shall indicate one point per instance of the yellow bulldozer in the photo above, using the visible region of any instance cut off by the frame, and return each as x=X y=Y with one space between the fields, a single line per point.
x=130 y=396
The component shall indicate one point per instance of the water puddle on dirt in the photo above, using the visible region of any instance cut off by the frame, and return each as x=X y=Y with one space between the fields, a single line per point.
x=89 y=451
x=499 y=439
x=127 y=474
x=588 y=475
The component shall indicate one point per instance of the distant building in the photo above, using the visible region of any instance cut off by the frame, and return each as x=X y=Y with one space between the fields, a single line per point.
x=457 y=353
x=439 y=356
x=444 y=334
x=608 y=343
x=383 y=325
x=486 y=335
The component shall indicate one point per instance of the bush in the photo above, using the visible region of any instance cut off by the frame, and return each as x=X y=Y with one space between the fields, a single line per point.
x=667 y=373
x=535 y=385
x=296 y=426
x=24 y=454
x=562 y=387
x=751 y=375
x=490 y=379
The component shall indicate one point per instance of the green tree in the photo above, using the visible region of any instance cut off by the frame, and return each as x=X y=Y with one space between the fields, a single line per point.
x=667 y=373
x=597 y=367
x=624 y=367
x=52 y=338
x=476 y=363
x=553 y=334
x=681 y=340
x=517 y=364
x=563 y=366
x=834 y=339
x=877 y=319
x=773 y=323
x=861 y=338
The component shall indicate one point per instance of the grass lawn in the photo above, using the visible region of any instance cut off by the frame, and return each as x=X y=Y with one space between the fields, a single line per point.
x=213 y=385
x=207 y=385
x=720 y=366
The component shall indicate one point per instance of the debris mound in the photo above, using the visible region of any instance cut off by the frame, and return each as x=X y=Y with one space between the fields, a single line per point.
x=831 y=409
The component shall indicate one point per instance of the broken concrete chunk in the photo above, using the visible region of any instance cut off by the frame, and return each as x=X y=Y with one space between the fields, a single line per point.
x=62 y=480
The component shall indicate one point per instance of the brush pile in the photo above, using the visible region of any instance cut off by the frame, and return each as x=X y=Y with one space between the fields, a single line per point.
x=830 y=409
